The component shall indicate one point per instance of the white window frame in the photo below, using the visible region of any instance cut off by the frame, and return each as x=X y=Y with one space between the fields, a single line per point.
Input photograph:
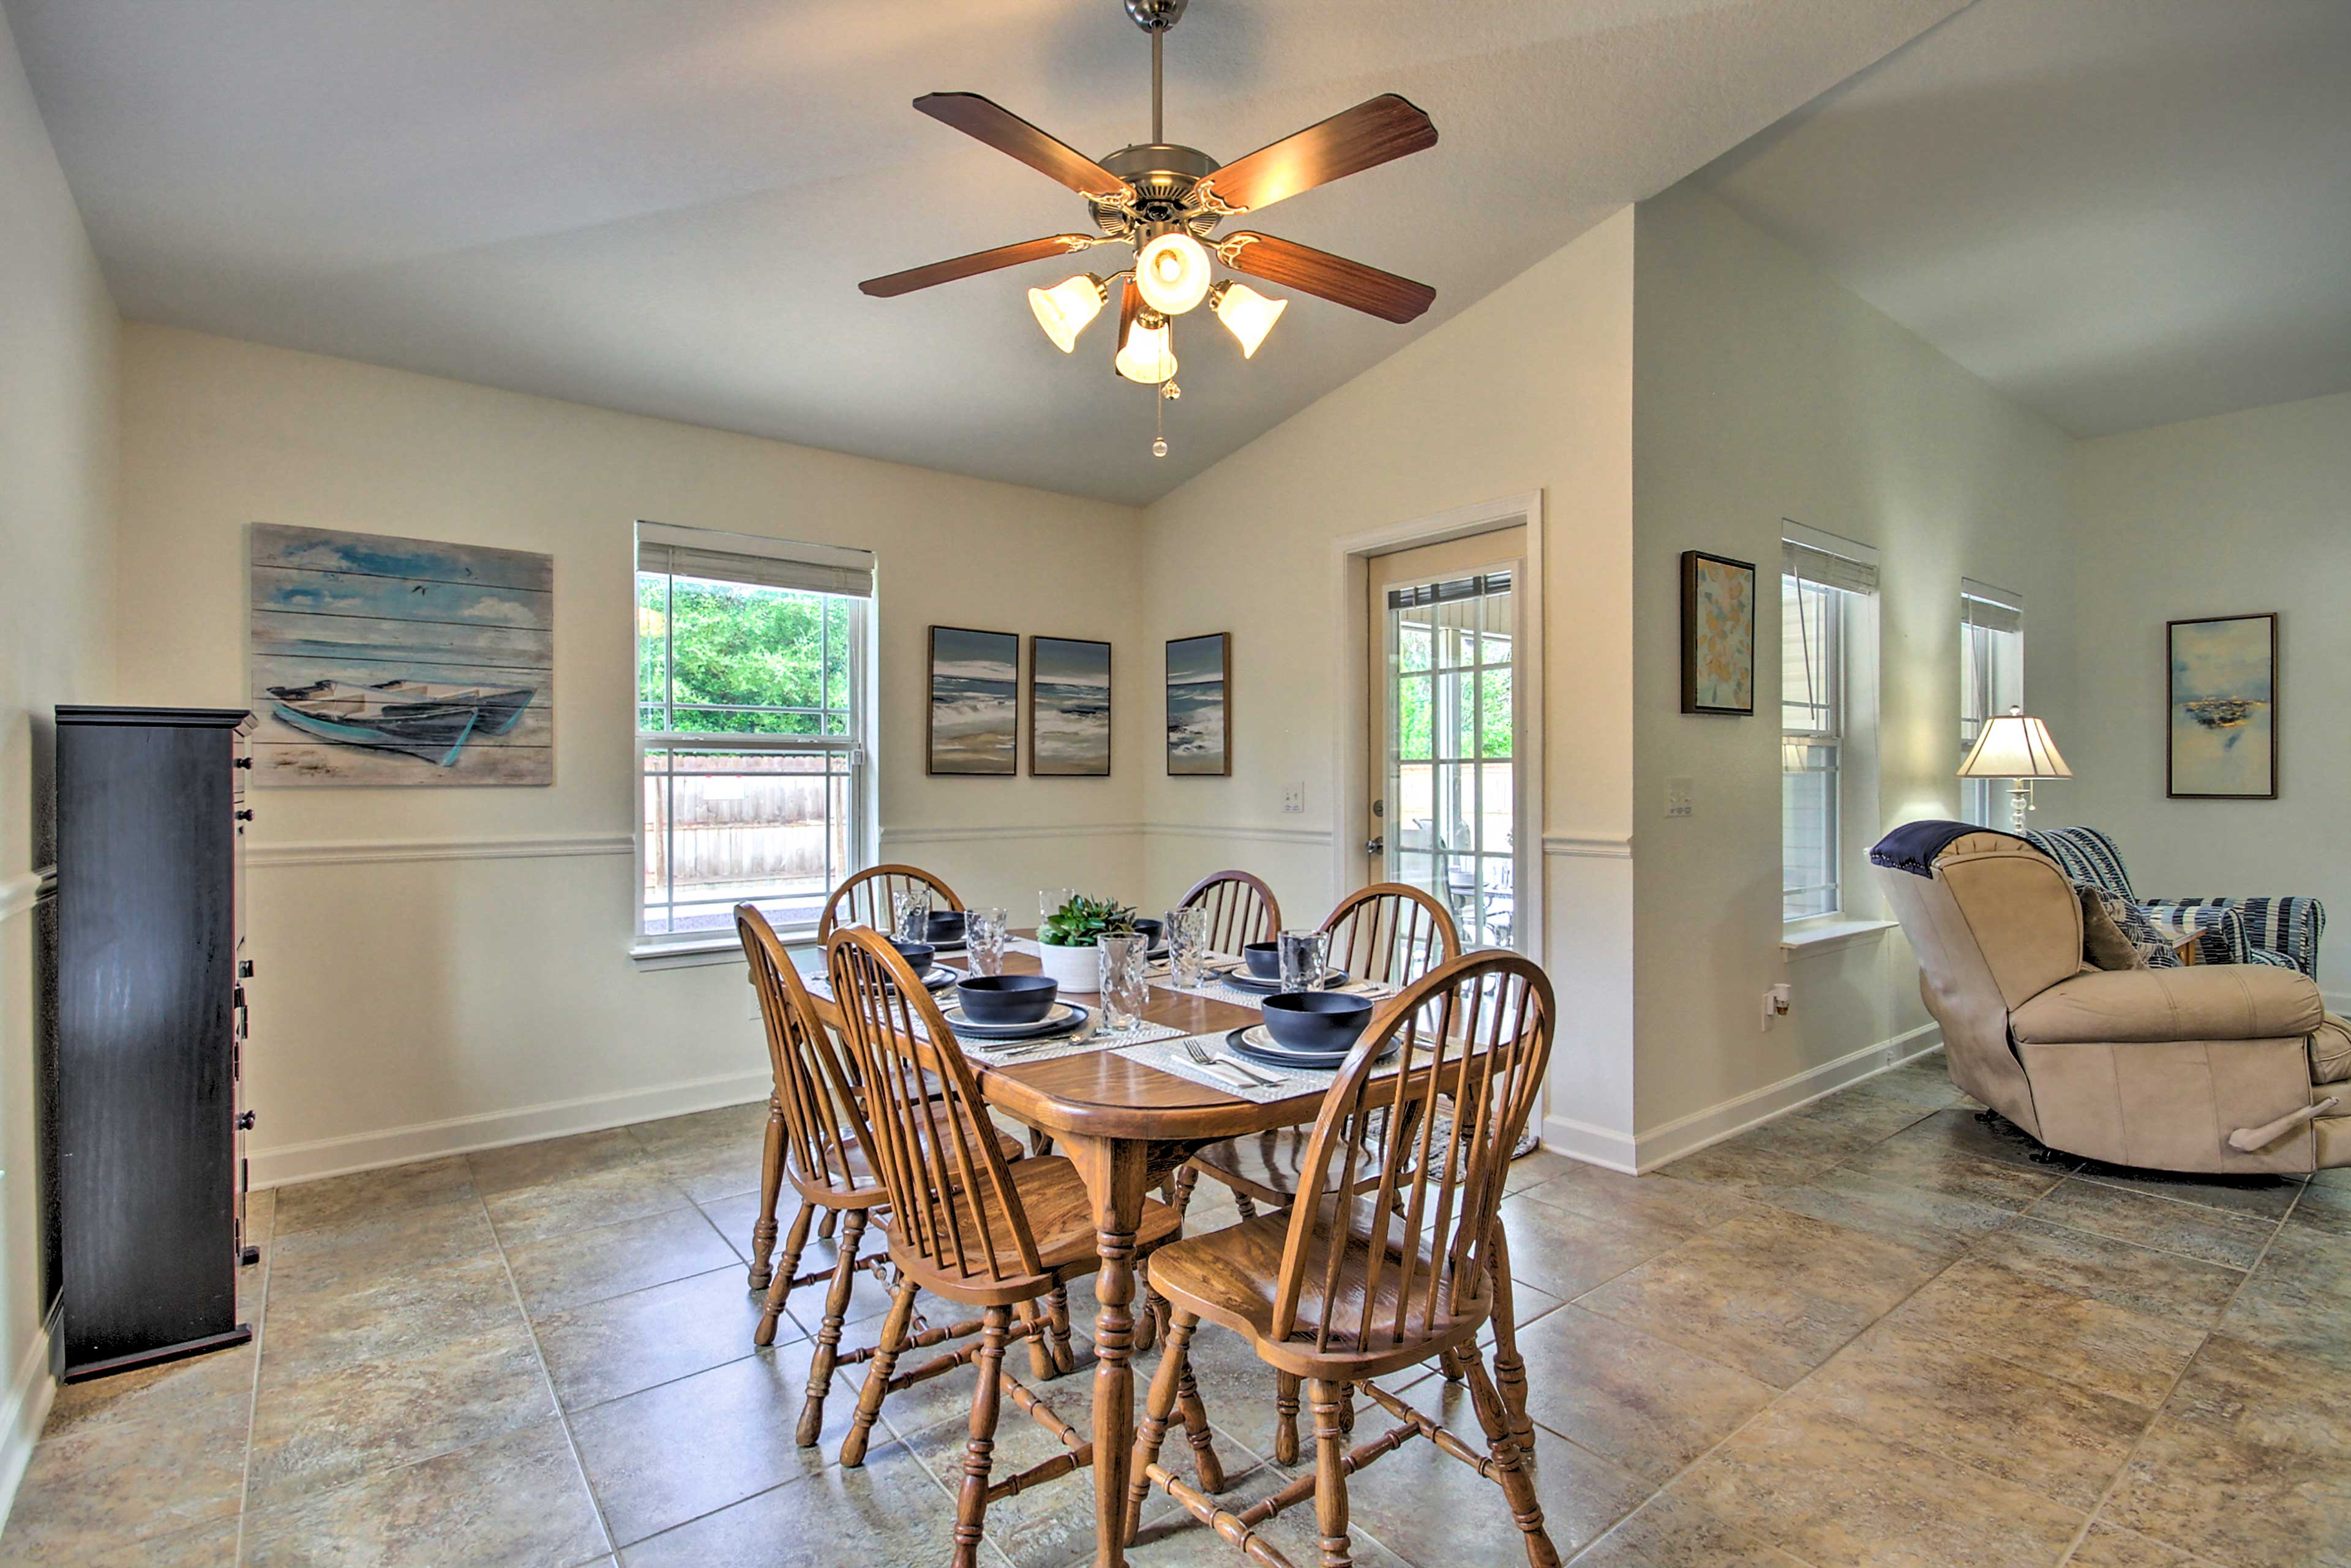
x=863 y=836
x=1848 y=572
x=1995 y=617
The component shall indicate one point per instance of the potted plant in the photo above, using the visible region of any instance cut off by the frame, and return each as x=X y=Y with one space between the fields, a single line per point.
x=1066 y=941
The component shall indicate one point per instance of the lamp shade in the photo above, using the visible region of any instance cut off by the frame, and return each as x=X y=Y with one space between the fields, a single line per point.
x=1172 y=273
x=2013 y=746
x=1148 y=355
x=1247 y=314
x=1064 y=310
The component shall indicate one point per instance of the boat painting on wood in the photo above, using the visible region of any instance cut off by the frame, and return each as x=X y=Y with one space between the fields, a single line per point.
x=380 y=661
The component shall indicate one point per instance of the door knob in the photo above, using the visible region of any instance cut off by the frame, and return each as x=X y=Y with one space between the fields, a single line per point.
x=1378 y=846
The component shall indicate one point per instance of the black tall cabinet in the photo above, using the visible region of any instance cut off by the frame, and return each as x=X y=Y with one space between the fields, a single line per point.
x=151 y=972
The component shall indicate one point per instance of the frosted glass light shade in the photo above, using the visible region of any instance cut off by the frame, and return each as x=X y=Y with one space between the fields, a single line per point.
x=1172 y=273
x=1064 y=310
x=1148 y=355
x=2014 y=747
x=1247 y=314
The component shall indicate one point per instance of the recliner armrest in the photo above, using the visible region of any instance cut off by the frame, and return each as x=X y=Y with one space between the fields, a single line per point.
x=2201 y=1002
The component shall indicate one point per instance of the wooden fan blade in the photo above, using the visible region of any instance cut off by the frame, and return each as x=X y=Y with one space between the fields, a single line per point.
x=1130 y=305
x=1006 y=133
x=1374 y=131
x=977 y=262
x=1334 y=278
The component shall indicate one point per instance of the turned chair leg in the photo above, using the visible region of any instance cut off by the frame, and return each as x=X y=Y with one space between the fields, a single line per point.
x=1329 y=1473
x=1167 y=1388
x=878 y=1373
x=772 y=1188
x=1150 y=1314
x=827 y=1338
x=1043 y=1362
x=788 y=1269
x=1510 y=1367
x=1179 y=1196
x=1247 y=1206
x=1510 y=1466
x=1285 y=1417
x=1057 y=1323
x=1204 y=1463
x=825 y=1224
x=979 y=1450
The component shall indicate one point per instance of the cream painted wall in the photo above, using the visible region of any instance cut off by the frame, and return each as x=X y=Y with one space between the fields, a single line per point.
x=57 y=536
x=2240 y=514
x=1528 y=390
x=1763 y=390
x=439 y=969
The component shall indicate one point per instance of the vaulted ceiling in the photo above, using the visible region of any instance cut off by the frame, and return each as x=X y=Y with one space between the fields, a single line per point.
x=666 y=208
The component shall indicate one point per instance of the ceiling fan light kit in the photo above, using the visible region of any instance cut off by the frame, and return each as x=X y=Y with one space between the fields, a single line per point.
x=1167 y=201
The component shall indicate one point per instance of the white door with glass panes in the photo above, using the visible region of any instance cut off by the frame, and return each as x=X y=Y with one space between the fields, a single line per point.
x=1446 y=768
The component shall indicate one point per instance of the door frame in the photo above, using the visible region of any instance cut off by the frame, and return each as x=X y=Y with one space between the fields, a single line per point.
x=1350 y=579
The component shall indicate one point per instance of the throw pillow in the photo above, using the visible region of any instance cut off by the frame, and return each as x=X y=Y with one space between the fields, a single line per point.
x=2104 y=946
x=2150 y=948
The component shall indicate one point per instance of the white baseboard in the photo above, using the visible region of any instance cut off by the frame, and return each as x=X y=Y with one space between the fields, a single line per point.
x=496 y=1129
x=1593 y=1145
x=30 y=1393
x=1688 y=1134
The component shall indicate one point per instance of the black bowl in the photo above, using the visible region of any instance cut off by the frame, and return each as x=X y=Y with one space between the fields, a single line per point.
x=1264 y=960
x=946 y=926
x=918 y=955
x=1008 y=999
x=1324 y=1022
x=1154 y=930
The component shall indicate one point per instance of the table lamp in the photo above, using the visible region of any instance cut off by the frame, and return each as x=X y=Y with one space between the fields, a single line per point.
x=2018 y=748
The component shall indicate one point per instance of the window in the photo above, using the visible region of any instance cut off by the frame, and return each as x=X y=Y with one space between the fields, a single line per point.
x=752 y=664
x=1991 y=681
x=1820 y=593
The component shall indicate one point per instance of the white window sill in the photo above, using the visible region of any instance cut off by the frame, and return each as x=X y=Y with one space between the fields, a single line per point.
x=1828 y=936
x=654 y=953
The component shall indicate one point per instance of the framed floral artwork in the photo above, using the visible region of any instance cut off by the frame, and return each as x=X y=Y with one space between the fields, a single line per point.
x=2224 y=708
x=1718 y=634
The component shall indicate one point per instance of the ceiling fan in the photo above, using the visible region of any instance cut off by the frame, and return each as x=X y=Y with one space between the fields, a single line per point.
x=1166 y=201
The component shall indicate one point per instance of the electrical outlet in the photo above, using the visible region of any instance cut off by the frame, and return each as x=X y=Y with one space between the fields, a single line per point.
x=1293 y=798
x=1778 y=1002
x=1678 y=798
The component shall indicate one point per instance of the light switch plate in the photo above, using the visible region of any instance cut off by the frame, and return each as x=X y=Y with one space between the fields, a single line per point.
x=1293 y=798
x=1678 y=798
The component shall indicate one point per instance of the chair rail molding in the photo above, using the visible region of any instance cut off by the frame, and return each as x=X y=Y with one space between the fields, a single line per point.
x=370 y=851
x=968 y=833
x=1245 y=832
x=1580 y=846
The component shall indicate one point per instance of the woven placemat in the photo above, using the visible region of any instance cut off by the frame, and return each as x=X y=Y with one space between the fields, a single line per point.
x=1009 y=1052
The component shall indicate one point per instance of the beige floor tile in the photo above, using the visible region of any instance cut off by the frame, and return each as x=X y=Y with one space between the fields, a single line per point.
x=319 y=1429
x=1959 y=1133
x=2108 y=1546
x=2120 y=1273
x=662 y=1457
x=1173 y=1539
x=1565 y=1253
x=728 y=1124
x=2298 y=1299
x=1937 y=1167
x=1647 y=1405
x=1935 y=1222
x=399 y=1313
x=2075 y=1339
x=1656 y=1199
x=2210 y=1236
x=2276 y=1400
x=581 y=1202
x=2050 y=1437
x=2239 y=1502
x=1872 y=1110
x=709 y=1172
x=1784 y=1153
x=1834 y=1495
x=349 y=1257
x=515 y=1502
x=210 y=1545
x=175 y=1391
x=613 y=1259
x=620 y=1346
x=2258 y=1197
x=889 y=1510
x=371 y=1194
x=2324 y=1209
x=554 y=1159
x=103 y=1485
x=260 y=1214
x=1773 y=1294
x=1672 y=1531
x=736 y=1215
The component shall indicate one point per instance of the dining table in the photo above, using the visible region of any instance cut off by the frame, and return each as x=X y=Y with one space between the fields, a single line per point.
x=1126 y=1126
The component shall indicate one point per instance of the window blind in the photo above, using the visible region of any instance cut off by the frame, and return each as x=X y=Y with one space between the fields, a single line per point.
x=754 y=558
x=1479 y=587
x=1995 y=609
x=1815 y=565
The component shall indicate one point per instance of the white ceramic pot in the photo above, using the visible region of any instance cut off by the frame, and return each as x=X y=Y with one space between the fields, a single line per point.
x=1076 y=968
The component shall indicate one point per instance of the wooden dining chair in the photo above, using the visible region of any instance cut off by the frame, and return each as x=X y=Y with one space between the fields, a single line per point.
x=1390 y=933
x=815 y=1111
x=867 y=898
x=1240 y=909
x=966 y=1224
x=1395 y=1264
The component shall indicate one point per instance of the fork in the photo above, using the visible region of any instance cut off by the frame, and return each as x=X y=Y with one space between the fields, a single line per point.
x=1199 y=1054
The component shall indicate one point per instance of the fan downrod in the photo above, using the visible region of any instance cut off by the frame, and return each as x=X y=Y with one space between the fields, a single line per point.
x=1156 y=16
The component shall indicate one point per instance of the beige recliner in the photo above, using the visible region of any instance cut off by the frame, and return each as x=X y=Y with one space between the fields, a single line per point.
x=2230 y=1068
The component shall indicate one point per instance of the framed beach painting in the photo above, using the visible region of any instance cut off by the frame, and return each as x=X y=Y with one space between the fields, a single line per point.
x=1718 y=634
x=1199 y=706
x=383 y=661
x=975 y=701
x=1069 y=708
x=2222 y=708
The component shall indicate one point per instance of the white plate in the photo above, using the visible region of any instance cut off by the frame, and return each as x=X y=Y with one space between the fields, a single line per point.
x=1060 y=1016
x=1247 y=979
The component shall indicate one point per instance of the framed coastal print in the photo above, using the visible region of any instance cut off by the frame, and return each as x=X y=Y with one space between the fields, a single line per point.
x=1069 y=708
x=2222 y=708
x=1718 y=634
x=975 y=701
x=378 y=661
x=1199 y=706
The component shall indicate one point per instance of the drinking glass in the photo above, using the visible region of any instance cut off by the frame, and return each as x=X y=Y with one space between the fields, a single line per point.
x=984 y=932
x=1187 y=946
x=1123 y=991
x=1303 y=954
x=912 y=912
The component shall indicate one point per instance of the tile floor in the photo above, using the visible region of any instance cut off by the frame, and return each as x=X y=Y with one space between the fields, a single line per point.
x=1876 y=1332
